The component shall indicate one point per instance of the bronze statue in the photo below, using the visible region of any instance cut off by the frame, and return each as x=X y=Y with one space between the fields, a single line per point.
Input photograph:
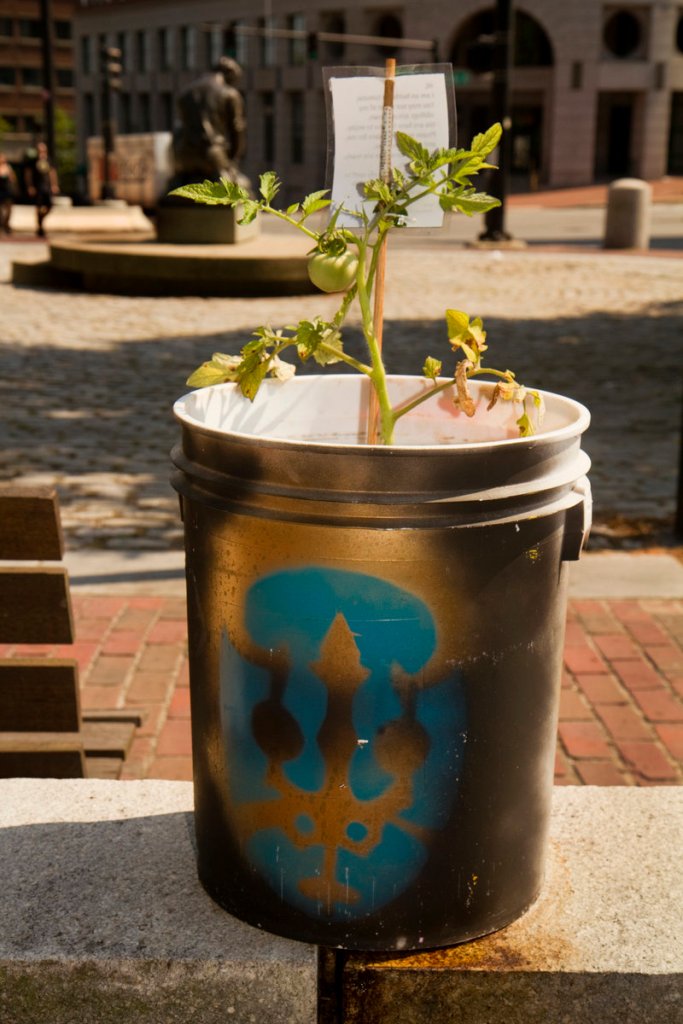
x=209 y=140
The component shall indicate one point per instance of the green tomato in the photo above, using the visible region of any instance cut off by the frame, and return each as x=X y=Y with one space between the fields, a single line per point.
x=333 y=273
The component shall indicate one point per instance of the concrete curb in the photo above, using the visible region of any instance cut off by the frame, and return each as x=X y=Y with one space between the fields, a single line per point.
x=602 y=942
x=104 y=920
x=603 y=574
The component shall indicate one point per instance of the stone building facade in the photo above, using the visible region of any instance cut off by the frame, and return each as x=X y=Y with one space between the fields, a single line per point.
x=22 y=74
x=596 y=87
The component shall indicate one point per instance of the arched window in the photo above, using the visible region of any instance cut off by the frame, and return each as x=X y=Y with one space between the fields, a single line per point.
x=473 y=45
x=533 y=48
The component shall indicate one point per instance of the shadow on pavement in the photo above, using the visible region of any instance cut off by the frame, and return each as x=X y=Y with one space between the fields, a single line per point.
x=99 y=423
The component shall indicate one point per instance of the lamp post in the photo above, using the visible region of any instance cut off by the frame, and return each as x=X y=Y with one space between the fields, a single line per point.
x=46 y=35
x=494 y=220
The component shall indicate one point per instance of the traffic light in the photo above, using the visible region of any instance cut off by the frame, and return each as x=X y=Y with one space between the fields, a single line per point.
x=312 y=45
x=111 y=66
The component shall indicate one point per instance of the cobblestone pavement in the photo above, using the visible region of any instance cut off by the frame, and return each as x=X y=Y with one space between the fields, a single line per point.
x=88 y=381
x=621 y=713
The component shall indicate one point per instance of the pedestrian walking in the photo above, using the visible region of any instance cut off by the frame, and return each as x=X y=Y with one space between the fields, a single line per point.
x=8 y=187
x=41 y=185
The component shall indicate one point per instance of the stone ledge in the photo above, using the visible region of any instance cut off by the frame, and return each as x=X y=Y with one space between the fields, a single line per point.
x=104 y=921
x=603 y=942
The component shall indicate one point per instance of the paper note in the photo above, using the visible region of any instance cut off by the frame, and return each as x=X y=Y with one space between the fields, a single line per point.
x=420 y=110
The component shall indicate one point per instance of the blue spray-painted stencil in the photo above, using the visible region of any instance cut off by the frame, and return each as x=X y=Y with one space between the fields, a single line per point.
x=341 y=761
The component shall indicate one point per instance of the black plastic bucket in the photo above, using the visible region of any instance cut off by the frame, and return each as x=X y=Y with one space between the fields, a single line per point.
x=376 y=639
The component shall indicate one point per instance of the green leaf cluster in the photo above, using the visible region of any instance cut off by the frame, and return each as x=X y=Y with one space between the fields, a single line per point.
x=227 y=193
x=444 y=173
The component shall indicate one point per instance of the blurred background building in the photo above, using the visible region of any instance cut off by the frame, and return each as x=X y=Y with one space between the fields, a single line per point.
x=596 y=88
x=22 y=74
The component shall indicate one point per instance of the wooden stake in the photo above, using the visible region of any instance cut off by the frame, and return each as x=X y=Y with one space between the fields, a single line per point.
x=385 y=175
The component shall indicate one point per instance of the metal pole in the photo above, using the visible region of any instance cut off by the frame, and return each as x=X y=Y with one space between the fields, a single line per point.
x=107 y=142
x=502 y=56
x=397 y=42
x=48 y=76
x=107 y=68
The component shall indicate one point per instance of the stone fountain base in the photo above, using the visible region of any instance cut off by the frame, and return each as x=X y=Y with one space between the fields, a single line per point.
x=143 y=265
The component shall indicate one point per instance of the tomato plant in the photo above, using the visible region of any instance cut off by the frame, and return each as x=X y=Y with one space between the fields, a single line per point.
x=347 y=261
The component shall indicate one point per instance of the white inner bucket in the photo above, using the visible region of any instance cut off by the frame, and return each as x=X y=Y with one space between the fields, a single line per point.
x=332 y=410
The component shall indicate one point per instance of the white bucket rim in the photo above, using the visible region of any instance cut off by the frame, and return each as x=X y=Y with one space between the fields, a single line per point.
x=578 y=425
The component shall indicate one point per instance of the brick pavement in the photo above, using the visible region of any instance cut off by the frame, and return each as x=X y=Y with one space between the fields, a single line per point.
x=621 y=713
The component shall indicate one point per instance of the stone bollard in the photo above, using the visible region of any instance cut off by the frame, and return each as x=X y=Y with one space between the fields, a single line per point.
x=627 y=224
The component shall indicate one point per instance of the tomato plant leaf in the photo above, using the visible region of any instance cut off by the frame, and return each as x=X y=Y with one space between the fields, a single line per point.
x=212 y=193
x=248 y=211
x=269 y=186
x=315 y=201
x=486 y=142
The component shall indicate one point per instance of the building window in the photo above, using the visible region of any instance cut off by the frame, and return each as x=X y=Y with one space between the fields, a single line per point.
x=296 y=49
x=86 y=54
x=533 y=48
x=267 y=42
x=389 y=26
x=89 y=114
x=145 y=108
x=64 y=78
x=141 y=52
x=122 y=44
x=235 y=42
x=167 y=112
x=29 y=28
x=31 y=77
x=214 y=46
x=165 y=47
x=333 y=22
x=188 y=47
x=62 y=30
x=125 y=117
x=623 y=34
x=268 y=122
x=296 y=127
x=473 y=47
x=240 y=46
x=6 y=27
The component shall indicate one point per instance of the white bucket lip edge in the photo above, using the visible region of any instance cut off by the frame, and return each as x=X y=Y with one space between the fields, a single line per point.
x=571 y=430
